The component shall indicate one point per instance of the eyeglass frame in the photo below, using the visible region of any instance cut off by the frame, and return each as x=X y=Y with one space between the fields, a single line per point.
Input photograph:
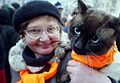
x=45 y=30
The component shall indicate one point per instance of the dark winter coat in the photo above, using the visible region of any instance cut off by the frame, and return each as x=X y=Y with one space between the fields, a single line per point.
x=118 y=41
x=8 y=38
x=6 y=14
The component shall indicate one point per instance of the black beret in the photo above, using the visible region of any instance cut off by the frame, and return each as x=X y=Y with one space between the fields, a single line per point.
x=33 y=9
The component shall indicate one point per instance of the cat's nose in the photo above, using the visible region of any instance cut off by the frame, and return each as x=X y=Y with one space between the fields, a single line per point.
x=78 y=45
x=79 y=51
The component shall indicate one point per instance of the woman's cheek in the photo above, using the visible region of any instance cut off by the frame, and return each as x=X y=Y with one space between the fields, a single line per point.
x=56 y=38
x=30 y=41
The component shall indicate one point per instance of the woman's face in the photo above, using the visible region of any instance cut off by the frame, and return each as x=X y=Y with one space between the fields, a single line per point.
x=42 y=35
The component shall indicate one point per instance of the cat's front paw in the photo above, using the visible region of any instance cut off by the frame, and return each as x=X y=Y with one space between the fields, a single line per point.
x=58 y=53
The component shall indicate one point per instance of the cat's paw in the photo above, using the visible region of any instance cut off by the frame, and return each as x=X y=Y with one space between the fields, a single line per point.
x=58 y=53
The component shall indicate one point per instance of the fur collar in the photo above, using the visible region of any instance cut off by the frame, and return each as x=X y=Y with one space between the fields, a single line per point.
x=15 y=56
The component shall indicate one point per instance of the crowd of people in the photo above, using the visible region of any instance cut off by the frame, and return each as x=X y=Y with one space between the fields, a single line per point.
x=35 y=47
x=8 y=38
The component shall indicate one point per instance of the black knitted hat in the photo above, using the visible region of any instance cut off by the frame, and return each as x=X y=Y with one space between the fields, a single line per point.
x=33 y=9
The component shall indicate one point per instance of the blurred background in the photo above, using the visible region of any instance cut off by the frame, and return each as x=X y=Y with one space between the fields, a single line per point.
x=109 y=6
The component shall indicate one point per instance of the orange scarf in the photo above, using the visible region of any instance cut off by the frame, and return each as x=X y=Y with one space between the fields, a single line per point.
x=96 y=61
x=38 y=78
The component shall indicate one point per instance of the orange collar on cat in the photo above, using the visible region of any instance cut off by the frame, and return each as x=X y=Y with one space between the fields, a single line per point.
x=96 y=61
x=38 y=78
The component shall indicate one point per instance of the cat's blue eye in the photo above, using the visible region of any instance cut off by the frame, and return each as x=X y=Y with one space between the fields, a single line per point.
x=77 y=31
x=95 y=39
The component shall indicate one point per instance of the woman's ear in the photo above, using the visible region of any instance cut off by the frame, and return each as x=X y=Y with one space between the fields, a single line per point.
x=24 y=40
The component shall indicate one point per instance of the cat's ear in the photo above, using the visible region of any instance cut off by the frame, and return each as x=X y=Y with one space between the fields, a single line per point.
x=82 y=7
x=116 y=24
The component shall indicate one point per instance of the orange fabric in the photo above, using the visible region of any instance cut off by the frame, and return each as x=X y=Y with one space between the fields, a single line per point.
x=96 y=61
x=38 y=78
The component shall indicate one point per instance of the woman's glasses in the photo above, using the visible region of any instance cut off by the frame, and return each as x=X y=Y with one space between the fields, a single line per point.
x=36 y=32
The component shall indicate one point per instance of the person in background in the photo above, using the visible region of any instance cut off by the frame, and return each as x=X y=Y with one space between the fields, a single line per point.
x=36 y=57
x=59 y=7
x=12 y=8
x=7 y=13
x=8 y=38
x=75 y=12
x=15 y=5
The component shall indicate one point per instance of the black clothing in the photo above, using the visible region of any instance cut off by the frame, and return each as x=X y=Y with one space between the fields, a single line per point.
x=8 y=38
x=118 y=42
x=31 y=60
x=5 y=16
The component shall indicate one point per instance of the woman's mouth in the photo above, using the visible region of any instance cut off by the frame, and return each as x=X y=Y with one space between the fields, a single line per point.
x=45 y=46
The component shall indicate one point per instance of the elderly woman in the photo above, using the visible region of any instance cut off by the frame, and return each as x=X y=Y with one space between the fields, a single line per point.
x=34 y=55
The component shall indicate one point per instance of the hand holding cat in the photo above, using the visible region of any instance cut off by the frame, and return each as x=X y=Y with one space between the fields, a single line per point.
x=80 y=73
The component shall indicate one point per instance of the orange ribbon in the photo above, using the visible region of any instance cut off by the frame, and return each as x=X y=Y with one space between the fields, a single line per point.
x=38 y=78
x=96 y=61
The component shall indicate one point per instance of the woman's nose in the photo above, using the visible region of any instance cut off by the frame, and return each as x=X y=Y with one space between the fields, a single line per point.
x=44 y=37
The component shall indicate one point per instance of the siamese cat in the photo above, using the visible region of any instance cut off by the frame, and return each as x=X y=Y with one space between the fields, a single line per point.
x=93 y=33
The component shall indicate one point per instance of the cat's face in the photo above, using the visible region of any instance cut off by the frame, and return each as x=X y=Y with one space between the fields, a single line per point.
x=92 y=32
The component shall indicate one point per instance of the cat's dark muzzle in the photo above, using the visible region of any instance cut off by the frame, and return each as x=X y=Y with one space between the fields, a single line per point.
x=80 y=51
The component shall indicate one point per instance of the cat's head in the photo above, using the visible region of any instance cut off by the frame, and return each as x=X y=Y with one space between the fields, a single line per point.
x=92 y=31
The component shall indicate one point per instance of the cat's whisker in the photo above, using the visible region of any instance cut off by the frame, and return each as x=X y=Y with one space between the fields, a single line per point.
x=104 y=24
x=93 y=54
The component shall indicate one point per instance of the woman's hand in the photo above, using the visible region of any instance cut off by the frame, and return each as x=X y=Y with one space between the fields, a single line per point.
x=80 y=73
